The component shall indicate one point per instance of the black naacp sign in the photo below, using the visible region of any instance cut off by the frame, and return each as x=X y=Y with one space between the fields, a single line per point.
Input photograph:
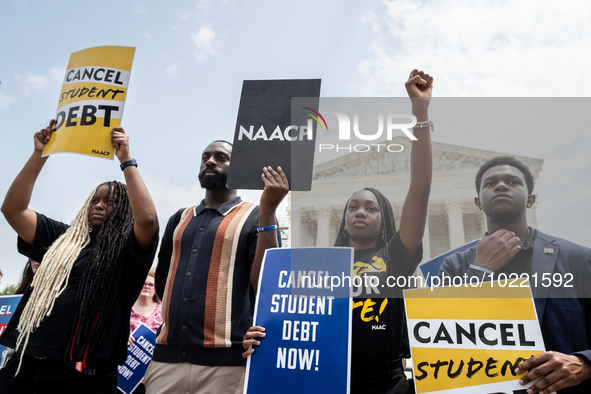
x=276 y=126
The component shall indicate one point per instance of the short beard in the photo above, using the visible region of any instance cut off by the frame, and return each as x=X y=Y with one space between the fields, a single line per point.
x=213 y=182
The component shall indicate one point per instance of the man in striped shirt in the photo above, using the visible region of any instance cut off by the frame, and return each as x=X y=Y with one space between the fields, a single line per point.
x=209 y=262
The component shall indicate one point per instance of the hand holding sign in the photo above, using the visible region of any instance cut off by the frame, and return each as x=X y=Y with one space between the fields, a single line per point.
x=120 y=142
x=276 y=188
x=307 y=345
x=558 y=369
x=249 y=339
x=91 y=101
x=43 y=136
x=471 y=339
x=139 y=355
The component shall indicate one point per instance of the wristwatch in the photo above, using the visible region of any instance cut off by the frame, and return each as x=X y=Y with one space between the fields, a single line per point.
x=128 y=163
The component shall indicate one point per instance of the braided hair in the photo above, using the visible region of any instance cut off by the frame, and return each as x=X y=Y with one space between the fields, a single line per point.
x=100 y=279
x=388 y=224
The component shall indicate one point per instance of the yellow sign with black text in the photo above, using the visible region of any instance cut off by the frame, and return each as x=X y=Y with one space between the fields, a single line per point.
x=91 y=101
x=470 y=339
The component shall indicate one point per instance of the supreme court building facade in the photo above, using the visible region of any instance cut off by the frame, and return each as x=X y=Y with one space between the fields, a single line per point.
x=453 y=218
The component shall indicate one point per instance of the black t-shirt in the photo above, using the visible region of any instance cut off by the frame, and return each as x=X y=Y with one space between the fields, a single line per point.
x=378 y=322
x=51 y=339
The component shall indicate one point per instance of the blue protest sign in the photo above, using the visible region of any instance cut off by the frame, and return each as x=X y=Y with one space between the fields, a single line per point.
x=139 y=355
x=8 y=305
x=307 y=348
x=430 y=268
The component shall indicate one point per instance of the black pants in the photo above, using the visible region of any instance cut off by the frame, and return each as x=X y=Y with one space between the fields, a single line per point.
x=380 y=379
x=47 y=376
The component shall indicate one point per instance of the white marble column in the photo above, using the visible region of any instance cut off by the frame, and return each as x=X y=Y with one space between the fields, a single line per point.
x=323 y=226
x=295 y=226
x=427 y=239
x=455 y=212
x=309 y=226
x=335 y=225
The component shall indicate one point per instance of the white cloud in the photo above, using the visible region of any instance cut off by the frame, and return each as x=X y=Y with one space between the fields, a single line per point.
x=206 y=44
x=184 y=15
x=56 y=74
x=203 y=5
x=484 y=48
x=33 y=83
x=5 y=100
x=169 y=197
x=371 y=18
x=138 y=9
x=41 y=83
x=173 y=70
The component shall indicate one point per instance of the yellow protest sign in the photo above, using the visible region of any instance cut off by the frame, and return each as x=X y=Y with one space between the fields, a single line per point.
x=91 y=101
x=470 y=339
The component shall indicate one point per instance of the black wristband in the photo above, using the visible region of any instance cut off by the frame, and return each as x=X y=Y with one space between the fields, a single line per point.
x=128 y=163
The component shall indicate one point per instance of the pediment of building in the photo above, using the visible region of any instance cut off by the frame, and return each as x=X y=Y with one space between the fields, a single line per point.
x=447 y=158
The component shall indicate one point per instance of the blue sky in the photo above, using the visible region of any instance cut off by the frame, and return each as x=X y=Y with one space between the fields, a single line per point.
x=192 y=56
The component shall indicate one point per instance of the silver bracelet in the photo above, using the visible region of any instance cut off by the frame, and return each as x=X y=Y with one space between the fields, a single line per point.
x=479 y=268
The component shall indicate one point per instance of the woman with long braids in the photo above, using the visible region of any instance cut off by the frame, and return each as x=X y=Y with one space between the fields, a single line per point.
x=379 y=340
x=71 y=327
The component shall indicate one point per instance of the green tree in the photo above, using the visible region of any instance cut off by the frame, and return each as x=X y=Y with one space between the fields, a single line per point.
x=8 y=290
